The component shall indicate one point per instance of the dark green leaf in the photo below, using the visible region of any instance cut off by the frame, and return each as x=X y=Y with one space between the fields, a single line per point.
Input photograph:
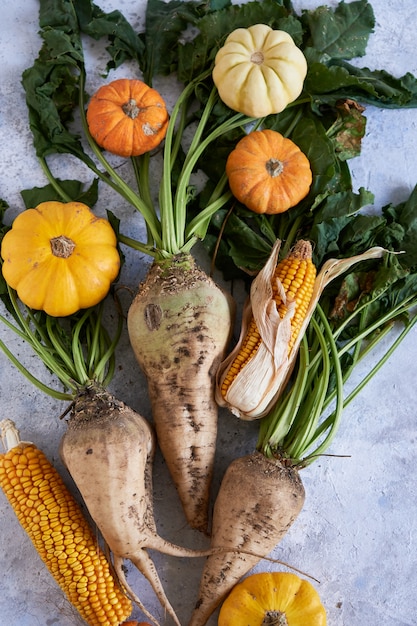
x=401 y=232
x=332 y=217
x=51 y=84
x=248 y=249
x=58 y=14
x=405 y=289
x=124 y=42
x=3 y=230
x=165 y=25
x=341 y=80
x=386 y=276
x=341 y=33
x=115 y=224
x=72 y=188
x=360 y=233
x=311 y=138
x=3 y=208
x=51 y=96
x=336 y=81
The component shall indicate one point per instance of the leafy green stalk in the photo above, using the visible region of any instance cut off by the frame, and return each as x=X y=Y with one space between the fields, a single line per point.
x=299 y=427
x=77 y=350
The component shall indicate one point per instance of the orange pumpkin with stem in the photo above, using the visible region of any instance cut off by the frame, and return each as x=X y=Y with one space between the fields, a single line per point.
x=127 y=117
x=268 y=173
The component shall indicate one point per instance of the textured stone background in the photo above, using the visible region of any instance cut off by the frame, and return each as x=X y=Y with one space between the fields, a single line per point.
x=357 y=532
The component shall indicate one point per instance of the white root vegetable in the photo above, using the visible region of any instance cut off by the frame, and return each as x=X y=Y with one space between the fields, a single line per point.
x=108 y=449
x=258 y=500
x=179 y=326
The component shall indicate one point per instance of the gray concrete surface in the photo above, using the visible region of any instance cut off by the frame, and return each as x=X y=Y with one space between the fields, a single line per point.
x=357 y=533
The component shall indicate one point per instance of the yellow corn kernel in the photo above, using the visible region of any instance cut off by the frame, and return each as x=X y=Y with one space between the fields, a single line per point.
x=296 y=275
x=62 y=524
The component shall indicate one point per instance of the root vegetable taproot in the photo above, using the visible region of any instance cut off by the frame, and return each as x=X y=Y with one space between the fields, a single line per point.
x=179 y=325
x=257 y=503
x=108 y=449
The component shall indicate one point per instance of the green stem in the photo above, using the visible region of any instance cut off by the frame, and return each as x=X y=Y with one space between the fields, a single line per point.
x=101 y=361
x=137 y=245
x=337 y=413
x=291 y=236
x=198 y=133
x=352 y=395
x=393 y=313
x=53 y=181
x=58 y=395
x=299 y=114
x=32 y=337
x=199 y=225
x=75 y=351
x=227 y=126
x=60 y=348
x=95 y=344
x=311 y=409
x=381 y=361
x=180 y=202
x=172 y=225
x=277 y=424
x=141 y=170
x=181 y=123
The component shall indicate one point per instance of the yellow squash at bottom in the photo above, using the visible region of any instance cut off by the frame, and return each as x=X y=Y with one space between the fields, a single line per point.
x=60 y=257
x=279 y=598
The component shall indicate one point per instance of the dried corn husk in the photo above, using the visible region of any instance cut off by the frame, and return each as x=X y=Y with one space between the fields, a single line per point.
x=260 y=382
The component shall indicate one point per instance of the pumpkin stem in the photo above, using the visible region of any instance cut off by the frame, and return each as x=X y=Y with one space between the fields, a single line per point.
x=131 y=108
x=62 y=246
x=274 y=618
x=257 y=57
x=274 y=167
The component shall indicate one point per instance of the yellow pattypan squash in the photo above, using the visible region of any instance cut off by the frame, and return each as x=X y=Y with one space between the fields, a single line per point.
x=60 y=257
x=279 y=598
x=258 y=71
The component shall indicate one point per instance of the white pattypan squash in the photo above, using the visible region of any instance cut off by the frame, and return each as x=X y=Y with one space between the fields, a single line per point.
x=258 y=71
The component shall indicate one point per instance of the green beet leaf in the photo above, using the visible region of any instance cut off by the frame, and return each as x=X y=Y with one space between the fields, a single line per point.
x=342 y=33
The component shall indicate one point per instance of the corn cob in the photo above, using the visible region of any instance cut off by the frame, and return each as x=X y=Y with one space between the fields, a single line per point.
x=250 y=379
x=295 y=276
x=59 y=531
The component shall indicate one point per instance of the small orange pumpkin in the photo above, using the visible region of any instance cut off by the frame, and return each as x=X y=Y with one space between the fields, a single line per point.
x=268 y=173
x=127 y=117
